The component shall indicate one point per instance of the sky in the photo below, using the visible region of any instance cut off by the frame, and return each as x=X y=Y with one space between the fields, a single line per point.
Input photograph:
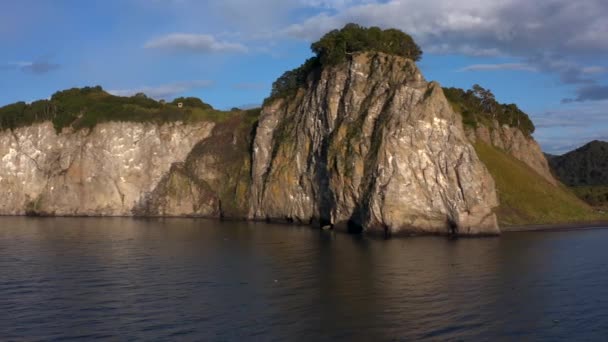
x=548 y=57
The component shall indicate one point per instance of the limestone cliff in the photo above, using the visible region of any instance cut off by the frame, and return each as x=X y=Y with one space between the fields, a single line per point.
x=513 y=141
x=370 y=145
x=103 y=171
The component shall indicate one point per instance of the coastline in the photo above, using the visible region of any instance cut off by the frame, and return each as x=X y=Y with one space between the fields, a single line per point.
x=555 y=227
x=503 y=229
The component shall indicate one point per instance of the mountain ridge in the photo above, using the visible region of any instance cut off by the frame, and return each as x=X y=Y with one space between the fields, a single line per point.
x=586 y=165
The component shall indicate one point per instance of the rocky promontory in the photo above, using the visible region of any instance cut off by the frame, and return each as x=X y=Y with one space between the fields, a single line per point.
x=355 y=139
x=369 y=144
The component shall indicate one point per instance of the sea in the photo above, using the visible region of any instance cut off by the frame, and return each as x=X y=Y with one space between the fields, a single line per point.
x=125 y=279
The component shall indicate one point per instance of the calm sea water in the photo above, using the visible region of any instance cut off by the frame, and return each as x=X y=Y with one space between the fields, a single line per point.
x=182 y=279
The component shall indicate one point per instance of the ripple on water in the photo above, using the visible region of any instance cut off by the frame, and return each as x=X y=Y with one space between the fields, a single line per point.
x=81 y=279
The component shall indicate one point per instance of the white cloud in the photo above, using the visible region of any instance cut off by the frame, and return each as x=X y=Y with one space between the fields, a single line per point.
x=569 y=126
x=562 y=144
x=548 y=36
x=591 y=92
x=499 y=66
x=36 y=67
x=594 y=70
x=511 y=26
x=164 y=91
x=203 y=43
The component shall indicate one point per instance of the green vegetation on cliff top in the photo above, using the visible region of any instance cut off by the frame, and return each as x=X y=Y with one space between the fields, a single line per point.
x=527 y=198
x=85 y=107
x=336 y=46
x=479 y=107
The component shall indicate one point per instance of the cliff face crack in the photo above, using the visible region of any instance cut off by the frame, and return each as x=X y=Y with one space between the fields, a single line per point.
x=365 y=145
x=382 y=150
x=120 y=194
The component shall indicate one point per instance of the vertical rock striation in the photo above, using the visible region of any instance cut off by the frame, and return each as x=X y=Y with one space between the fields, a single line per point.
x=103 y=171
x=370 y=145
x=214 y=179
x=366 y=145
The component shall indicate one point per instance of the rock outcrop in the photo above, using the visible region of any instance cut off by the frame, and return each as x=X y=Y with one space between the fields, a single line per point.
x=214 y=179
x=516 y=143
x=103 y=171
x=366 y=145
x=370 y=145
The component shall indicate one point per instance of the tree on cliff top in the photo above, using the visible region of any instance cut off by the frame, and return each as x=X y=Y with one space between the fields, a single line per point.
x=335 y=47
x=86 y=107
x=478 y=106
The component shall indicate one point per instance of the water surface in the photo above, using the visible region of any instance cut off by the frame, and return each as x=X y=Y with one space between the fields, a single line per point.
x=183 y=279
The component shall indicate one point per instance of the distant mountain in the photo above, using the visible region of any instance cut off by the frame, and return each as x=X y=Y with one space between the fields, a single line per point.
x=585 y=166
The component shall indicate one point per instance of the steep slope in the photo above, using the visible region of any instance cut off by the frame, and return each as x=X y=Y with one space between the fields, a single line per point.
x=585 y=166
x=526 y=197
x=370 y=145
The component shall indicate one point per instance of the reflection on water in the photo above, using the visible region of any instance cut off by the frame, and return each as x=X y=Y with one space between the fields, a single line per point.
x=205 y=280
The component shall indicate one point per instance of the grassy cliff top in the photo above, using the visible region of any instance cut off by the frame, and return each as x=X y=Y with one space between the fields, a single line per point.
x=86 y=107
x=337 y=46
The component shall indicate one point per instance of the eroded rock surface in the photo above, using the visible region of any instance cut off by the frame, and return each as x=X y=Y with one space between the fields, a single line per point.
x=105 y=171
x=370 y=145
x=367 y=145
x=214 y=179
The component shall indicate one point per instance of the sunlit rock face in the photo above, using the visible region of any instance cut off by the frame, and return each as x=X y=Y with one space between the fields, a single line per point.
x=370 y=145
x=103 y=171
x=367 y=145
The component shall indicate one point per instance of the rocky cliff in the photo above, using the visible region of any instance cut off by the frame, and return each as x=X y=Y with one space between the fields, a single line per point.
x=103 y=171
x=514 y=142
x=213 y=180
x=370 y=145
x=365 y=145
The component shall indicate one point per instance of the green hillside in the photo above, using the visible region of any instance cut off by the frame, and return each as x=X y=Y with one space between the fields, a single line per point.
x=527 y=198
x=585 y=166
x=479 y=107
x=595 y=195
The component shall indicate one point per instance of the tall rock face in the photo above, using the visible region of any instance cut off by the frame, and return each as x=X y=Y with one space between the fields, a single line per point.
x=103 y=171
x=370 y=145
x=367 y=145
x=516 y=143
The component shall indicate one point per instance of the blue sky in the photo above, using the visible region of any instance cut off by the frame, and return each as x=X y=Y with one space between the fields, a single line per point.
x=549 y=57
